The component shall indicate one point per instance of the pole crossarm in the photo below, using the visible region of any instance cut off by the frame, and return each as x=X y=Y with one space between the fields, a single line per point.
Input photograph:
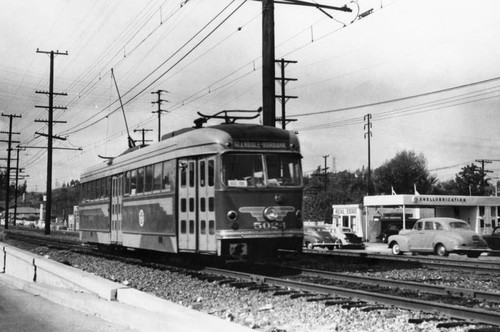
x=11 y=133
x=53 y=107
x=47 y=121
x=50 y=136
x=53 y=93
x=316 y=5
x=44 y=147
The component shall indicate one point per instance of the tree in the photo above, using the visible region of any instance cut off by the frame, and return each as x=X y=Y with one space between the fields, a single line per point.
x=469 y=181
x=403 y=173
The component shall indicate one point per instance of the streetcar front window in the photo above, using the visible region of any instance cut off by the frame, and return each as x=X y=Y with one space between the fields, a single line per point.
x=243 y=170
x=260 y=170
x=282 y=170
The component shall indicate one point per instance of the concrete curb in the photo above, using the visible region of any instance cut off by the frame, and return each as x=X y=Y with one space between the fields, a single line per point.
x=102 y=298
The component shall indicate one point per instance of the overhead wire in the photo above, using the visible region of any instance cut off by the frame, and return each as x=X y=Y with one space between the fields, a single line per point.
x=74 y=130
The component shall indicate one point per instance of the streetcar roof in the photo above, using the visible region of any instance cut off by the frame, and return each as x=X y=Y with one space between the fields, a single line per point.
x=198 y=141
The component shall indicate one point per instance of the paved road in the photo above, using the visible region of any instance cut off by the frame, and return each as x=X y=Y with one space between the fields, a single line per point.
x=22 y=311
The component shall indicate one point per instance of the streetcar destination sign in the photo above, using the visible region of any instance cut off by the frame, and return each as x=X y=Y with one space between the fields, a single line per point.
x=260 y=145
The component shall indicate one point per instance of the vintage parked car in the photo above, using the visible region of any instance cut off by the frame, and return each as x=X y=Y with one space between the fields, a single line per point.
x=493 y=239
x=392 y=229
x=345 y=238
x=440 y=236
x=316 y=236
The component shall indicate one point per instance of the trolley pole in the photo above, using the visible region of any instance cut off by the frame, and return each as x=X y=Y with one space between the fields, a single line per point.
x=9 y=149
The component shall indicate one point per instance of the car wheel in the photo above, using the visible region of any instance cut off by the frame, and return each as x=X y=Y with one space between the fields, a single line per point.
x=331 y=247
x=473 y=254
x=396 y=250
x=441 y=250
x=338 y=243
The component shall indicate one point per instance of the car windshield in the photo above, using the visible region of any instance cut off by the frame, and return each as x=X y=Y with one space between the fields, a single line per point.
x=459 y=225
x=261 y=170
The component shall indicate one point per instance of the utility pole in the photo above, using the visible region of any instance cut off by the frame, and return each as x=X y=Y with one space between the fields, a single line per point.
x=483 y=173
x=325 y=173
x=18 y=149
x=268 y=54
x=9 y=149
x=368 y=135
x=283 y=97
x=159 y=111
x=50 y=122
x=143 y=131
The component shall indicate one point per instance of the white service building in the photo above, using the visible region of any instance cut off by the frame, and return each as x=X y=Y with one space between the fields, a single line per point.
x=367 y=220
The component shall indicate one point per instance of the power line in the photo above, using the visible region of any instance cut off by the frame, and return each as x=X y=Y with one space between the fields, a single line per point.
x=74 y=130
x=350 y=108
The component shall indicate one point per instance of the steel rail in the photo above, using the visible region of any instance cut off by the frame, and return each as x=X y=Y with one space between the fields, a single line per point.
x=477 y=315
x=411 y=285
x=436 y=262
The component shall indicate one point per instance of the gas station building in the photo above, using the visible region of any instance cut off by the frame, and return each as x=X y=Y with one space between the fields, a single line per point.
x=369 y=219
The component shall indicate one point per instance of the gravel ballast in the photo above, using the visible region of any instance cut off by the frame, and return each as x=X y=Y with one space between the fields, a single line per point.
x=258 y=310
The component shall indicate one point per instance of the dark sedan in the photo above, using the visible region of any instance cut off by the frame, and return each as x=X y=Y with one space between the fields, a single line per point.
x=493 y=239
x=318 y=237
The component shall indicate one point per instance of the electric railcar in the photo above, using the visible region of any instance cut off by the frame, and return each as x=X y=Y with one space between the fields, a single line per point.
x=230 y=190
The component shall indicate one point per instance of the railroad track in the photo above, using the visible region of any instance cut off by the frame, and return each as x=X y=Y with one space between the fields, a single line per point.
x=478 y=266
x=348 y=297
x=335 y=294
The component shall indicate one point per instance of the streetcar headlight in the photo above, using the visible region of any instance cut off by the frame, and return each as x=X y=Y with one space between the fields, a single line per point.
x=270 y=213
x=232 y=215
x=235 y=226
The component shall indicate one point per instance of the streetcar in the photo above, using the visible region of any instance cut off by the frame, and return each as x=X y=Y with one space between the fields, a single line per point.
x=230 y=190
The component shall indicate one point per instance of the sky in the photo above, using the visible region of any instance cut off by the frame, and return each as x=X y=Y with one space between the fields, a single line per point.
x=427 y=72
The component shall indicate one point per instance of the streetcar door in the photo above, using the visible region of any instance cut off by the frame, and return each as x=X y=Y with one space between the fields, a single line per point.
x=186 y=228
x=206 y=205
x=116 y=209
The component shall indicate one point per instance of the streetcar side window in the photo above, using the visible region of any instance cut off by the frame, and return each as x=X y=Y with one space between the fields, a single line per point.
x=168 y=175
x=149 y=179
x=108 y=186
x=133 y=182
x=83 y=196
x=183 y=171
x=202 y=173
x=127 y=183
x=211 y=227
x=104 y=188
x=140 y=180
x=211 y=173
x=157 y=168
x=191 y=174
x=93 y=190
